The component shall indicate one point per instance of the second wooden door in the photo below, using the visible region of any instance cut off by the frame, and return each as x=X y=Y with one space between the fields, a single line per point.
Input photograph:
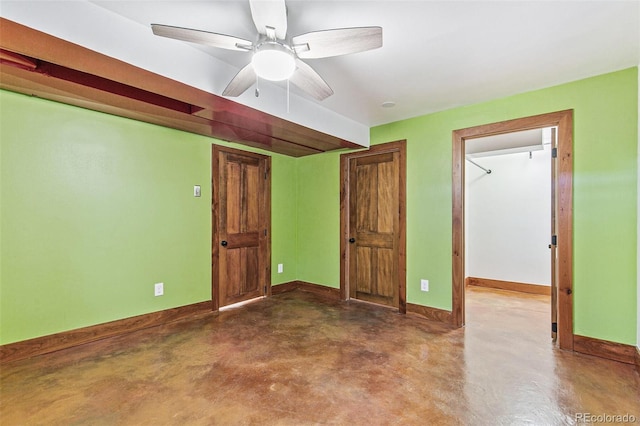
x=374 y=231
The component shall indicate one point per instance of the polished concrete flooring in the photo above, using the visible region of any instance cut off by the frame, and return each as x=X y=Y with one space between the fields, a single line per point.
x=297 y=359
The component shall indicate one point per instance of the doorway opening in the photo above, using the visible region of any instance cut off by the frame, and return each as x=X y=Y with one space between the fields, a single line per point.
x=508 y=200
x=561 y=239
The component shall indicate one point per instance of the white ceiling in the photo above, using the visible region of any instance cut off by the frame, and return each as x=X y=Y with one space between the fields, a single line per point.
x=436 y=55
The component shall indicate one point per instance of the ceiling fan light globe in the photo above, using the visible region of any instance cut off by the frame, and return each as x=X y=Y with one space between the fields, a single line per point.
x=273 y=62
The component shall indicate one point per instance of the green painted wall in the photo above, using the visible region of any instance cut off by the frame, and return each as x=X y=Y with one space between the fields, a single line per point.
x=318 y=219
x=605 y=194
x=95 y=209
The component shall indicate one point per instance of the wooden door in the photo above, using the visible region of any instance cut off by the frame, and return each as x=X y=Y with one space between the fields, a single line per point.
x=553 y=246
x=375 y=242
x=241 y=226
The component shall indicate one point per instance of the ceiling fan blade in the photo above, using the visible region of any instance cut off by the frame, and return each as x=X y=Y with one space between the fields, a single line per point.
x=241 y=82
x=202 y=37
x=270 y=13
x=340 y=41
x=307 y=79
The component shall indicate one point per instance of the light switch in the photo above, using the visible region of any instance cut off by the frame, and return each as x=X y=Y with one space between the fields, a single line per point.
x=196 y=190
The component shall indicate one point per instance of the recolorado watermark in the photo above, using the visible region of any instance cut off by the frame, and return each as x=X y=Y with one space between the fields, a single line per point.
x=605 y=418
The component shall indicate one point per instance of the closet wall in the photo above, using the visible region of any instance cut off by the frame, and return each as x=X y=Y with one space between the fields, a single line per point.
x=508 y=221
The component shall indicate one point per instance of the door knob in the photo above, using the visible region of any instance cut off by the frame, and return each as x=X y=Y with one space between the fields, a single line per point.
x=223 y=243
x=352 y=240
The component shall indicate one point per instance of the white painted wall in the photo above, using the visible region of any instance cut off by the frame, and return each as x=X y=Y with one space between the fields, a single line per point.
x=508 y=218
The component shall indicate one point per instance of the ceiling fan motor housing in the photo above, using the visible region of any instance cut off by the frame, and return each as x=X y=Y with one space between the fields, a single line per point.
x=273 y=60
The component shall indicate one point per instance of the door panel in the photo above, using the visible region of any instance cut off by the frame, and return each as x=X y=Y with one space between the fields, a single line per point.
x=366 y=182
x=385 y=272
x=363 y=273
x=241 y=252
x=387 y=196
x=250 y=256
x=232 y=172
x=232 y=267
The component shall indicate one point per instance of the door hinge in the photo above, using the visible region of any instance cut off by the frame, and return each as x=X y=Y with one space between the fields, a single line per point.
x=265 y=289
x=265 y=232
x=554 y=240
x=554 y=327
x=554 y=153
x=266 y=174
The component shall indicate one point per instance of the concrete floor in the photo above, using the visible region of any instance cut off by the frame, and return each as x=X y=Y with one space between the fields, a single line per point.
x=298 y=359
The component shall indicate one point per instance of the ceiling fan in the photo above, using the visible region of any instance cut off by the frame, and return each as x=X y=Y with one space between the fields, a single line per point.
x=275 y=57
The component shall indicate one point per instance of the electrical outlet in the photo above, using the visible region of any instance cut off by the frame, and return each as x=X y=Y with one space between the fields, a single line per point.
x=280 y=268
x=424 y=285
x=158 y=289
